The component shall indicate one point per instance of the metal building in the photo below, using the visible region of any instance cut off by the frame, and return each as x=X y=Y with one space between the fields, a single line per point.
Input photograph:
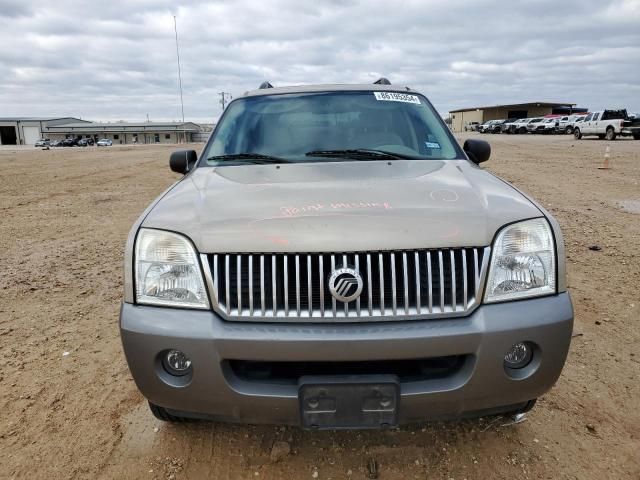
x=28 y=130
x=127 y=133
x=463 y=117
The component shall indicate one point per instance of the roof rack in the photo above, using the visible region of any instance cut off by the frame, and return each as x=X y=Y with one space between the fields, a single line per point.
x=264 y=85
x=382 y=81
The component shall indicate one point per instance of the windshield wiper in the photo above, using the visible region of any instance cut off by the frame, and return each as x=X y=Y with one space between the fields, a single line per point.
x=249 y=157
x=358 y=154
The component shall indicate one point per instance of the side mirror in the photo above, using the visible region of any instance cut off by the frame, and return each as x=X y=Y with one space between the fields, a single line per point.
x=478 y=151
x=183 y=161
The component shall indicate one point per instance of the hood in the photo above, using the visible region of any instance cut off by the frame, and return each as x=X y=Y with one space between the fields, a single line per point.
x=339 y=207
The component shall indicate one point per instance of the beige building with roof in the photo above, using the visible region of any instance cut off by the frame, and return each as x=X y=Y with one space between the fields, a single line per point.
x=464 y=117
x=124 y=133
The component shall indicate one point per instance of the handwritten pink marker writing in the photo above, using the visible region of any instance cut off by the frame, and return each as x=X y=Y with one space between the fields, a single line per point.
x=316 y=207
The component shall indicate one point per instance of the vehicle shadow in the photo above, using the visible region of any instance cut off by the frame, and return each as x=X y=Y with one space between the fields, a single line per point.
x=201 y=449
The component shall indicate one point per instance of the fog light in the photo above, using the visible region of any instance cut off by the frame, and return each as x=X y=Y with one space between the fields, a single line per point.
x=518 y=356
x=176 y=363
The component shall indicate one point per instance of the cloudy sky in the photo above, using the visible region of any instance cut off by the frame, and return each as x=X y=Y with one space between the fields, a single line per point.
x=116 y=59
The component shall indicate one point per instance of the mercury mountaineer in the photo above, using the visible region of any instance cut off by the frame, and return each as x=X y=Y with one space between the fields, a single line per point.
x=333 y=259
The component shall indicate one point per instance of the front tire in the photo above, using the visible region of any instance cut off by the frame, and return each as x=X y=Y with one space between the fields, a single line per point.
x=530 y=404
x=577 y=134
x=611 y=134
x=568 y=130
x=636 y=137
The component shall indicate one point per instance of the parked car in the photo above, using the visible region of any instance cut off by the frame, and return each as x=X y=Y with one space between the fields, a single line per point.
x=534 y=123
x=509 y=125
x=492 y=126
x=485 y=127
x=496 y=127
x=85 y=142
x=565 y=124
x=608 y=124
x=520 y=126
x=56 y=143
x=70 y=142
x=43 y=143
x=105 y=142
x=548 y=126
x=328 y=298
x=575 y=122
x=471 y=126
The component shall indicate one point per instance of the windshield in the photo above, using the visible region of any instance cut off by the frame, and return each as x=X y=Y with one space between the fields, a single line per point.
x=293 y=127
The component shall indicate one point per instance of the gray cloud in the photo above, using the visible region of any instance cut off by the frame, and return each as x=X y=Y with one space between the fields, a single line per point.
x=118 y=61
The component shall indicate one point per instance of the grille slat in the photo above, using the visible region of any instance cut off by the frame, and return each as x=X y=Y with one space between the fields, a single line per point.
x=398 y=285
x=405 y=284
x=418 y=292
x=369 y=287
x=381 y=270
x=298 y=284
x=227 y=277
x=394 y=299
x=346 y=304
x=286 y=286
x=464 y=277
x=216 y=291
x=454 y=299
x=321 y=281
x=441 y=271
x=309 y=286
x=430 y=280
x=274 y=285
x=239 y=282
x=358 y=299
x=333 y=300
x=262 y=299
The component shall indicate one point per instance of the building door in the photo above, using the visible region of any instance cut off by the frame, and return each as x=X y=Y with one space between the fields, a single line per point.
x=8 y=136
x=517 y=114
x=31 y=135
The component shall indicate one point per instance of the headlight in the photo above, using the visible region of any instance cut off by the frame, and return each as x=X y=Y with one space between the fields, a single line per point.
x=523 y=262
x=167 y=271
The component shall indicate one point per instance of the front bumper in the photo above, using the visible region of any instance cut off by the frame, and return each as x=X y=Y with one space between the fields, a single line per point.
x=482 y=384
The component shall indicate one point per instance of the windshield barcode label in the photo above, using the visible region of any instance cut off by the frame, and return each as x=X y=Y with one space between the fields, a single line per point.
x=397 y=97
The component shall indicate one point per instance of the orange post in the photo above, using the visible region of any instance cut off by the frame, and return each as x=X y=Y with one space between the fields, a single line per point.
x=605 y=163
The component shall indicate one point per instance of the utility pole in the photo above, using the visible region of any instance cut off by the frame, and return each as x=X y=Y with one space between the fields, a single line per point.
x=225 y=97
x=175 y=27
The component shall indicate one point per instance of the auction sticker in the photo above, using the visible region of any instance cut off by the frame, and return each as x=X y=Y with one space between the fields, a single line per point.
x=397 y=97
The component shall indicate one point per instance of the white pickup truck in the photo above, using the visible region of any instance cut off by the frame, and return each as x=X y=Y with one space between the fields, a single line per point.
x=608 y=124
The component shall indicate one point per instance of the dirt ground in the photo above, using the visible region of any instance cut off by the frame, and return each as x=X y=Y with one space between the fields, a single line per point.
x=71 y=410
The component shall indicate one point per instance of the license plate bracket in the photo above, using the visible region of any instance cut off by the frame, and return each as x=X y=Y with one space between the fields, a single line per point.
x=349 y=402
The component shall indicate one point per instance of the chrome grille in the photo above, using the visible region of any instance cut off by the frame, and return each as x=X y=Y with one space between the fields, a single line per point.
x=396 y=285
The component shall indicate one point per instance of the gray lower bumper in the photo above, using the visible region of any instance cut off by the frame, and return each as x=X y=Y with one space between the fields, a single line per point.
x=482 y=383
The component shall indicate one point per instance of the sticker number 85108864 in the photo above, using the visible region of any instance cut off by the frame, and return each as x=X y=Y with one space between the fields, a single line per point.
x=397 y=97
